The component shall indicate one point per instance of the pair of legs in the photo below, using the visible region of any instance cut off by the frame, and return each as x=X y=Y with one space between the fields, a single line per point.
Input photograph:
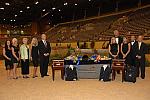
x=15 y=70
x=44 y=66
x=35 y=63
x=9 y=71
x=25 y=68
x=140 y=65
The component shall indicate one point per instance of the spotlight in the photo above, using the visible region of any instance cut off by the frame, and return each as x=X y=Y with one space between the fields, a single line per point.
x=59 y=10
x=15 y=15
x=28 y=7
x=43 y=10
x=21 y=11
x=7 y=4
x=1 y=8
x=36 y=2
x=53 y=8
x=75 y=4
x=65 y=4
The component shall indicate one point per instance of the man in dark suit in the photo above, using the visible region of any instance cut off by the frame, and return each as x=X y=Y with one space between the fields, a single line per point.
x=44 y=51
x=133 y=43
x=140 y=50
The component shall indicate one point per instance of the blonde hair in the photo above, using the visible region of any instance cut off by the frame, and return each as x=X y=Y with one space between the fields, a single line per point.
x=32 y=42
x=111 y=42
x=14 y=40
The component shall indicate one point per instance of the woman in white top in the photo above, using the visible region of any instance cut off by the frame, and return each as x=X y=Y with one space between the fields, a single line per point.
x=24 y=52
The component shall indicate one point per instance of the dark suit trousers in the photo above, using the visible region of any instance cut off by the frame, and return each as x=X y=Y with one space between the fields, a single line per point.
x=140 y=64
x=44 y=65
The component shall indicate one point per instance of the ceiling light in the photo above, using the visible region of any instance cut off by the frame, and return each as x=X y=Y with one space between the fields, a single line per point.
x=59 y=10
x=4 y=19
x=52 y=15
x=15 y=15
x=7 y=4
x=1 y=8
x=89 y=0
x=75 y=4
x=11 y=20
x=43 y=10
x=53 y=8
x=21 y=11
x=28 y=7
x=36 y=2
x=14 y=20
x=65 y=3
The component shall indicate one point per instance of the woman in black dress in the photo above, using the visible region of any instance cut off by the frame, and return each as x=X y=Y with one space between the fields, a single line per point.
x=15 y=57
x=7 y=53
x=125 y=50
x=113 y=48
x=34 y=55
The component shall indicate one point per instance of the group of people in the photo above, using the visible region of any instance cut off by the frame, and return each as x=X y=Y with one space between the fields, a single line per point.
x=132 y=51
x=24 y=53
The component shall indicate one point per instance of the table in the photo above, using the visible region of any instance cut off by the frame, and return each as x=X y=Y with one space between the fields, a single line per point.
x=88 y=69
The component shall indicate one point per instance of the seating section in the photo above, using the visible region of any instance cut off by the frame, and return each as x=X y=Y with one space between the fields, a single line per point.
x=101 y=29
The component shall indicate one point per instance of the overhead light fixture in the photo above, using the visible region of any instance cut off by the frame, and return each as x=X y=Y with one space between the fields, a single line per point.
x=43 y=10
x=4 y=19
x=75 y=4
x=7 y=4
x=65 y=4
x=15 y=15
x=1 y=8
x=21 y=11
x=53 y=8
x=28 y=7
x=36 y=2
x=14 y=20
x=11 y=20
x=59 y=10
x=89 y=0
x=52 y=15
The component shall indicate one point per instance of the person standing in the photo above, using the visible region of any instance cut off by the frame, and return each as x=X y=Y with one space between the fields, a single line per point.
x=113 y=49
x=15 y=57
x=140 y=50
x=24 y=52
x=7 y=53
x=44 y=52
x=125 y=50
x=133 y=43
x=34 y=52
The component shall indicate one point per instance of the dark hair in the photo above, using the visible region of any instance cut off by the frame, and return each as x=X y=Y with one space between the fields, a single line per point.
x=6 y=46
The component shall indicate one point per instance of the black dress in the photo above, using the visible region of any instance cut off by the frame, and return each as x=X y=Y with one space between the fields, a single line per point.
x=35 y=56
x=125 y=50
x=114 y=49
x=16 y=50
x=8 y=63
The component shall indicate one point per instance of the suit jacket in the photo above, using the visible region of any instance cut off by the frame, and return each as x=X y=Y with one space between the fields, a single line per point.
x=141 y=52
x=132 y=48
x=44 y=49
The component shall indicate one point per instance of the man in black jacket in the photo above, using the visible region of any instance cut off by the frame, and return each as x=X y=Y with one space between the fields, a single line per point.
x=140 y=50
x=133 y=43
x=44 y=52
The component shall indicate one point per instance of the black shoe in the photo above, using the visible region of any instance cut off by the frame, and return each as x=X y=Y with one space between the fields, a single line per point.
x=42 y=76
x=142 y=77
x=27 y=77
x=46 y=75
